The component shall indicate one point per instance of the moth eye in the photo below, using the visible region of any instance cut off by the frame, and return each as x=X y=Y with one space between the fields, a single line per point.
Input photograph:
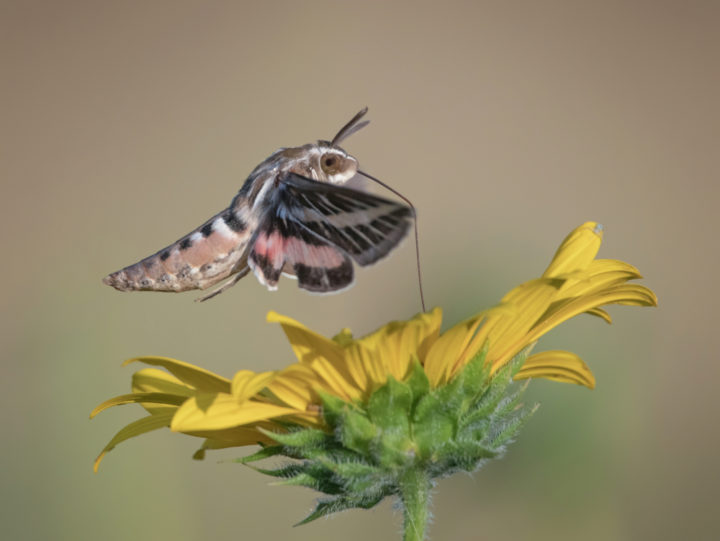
x=330 y=163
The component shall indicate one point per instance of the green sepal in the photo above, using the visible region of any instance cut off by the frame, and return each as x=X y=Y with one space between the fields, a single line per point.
x=305 y=438
x=389 y=409
x=513 y=425
x=467 y=384
x=498 y=384
x=329 y=506
x=417 y=380
x=321 y=483
x=432 y=426
x=333 y=407
x=285 y=472
x=356 y=431
x=265 y=452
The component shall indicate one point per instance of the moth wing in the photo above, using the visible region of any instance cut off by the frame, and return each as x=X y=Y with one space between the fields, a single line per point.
x=282 y=246
x=362 y=225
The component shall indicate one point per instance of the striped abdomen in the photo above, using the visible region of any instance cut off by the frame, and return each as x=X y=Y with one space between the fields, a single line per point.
x=209 y=254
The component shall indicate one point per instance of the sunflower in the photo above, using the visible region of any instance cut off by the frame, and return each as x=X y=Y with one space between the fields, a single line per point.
x=387 y=413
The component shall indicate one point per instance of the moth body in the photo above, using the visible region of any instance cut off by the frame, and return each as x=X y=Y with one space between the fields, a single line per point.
x=292 y=217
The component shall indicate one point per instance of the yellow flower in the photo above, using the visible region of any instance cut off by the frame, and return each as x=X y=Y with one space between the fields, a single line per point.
x=228 y=413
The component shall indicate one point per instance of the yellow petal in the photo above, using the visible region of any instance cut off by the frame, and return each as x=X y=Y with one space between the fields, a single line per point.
x=568 y=308
x=599 y=275
x=217 y=411
x=136 y=428
x=577 y=250
x=322 y=354
x=337 y=378
x=396 y=343
x=154 y=380
x=506 y=332
x=142 y=398
x=295 y=386
x=364 y=367
x=448 y=348
x=561 y=366
x=599 y=312
x=234 y=437
x=199 y=378
x=247 y=383
x=306 y=344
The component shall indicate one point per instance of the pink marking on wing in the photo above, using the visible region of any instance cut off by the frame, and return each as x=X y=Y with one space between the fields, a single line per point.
x=298 y=251
x=275 y=249
x=260 y=246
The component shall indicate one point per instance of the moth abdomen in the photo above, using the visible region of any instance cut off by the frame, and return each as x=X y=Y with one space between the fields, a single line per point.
x=207 y=255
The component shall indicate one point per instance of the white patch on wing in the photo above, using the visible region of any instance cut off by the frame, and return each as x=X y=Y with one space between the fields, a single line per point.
x=221 y=228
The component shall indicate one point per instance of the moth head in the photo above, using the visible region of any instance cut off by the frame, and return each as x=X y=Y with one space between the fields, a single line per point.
x=337 y=165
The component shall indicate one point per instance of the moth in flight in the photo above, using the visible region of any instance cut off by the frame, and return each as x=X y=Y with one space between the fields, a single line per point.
x=292 y=216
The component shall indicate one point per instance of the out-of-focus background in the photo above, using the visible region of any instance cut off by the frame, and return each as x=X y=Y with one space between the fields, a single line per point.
x=127 y=124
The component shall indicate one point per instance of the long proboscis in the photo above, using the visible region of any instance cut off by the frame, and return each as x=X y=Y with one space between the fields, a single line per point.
x=417 y=238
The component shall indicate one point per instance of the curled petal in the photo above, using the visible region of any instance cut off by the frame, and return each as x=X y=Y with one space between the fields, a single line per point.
x=140 y=398
x=136 y=428
x=561 y=366
x=602 y=314
x=565 y=309
x=577 y=250
x=194 y=376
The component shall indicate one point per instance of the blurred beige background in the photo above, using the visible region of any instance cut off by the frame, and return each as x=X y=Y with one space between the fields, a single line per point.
x=127 y=124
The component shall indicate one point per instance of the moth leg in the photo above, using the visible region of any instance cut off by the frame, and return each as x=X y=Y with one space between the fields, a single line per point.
x=227 y=285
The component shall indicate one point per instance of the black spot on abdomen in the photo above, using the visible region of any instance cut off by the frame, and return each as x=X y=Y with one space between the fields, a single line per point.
x=233 y=222
x=207 y=229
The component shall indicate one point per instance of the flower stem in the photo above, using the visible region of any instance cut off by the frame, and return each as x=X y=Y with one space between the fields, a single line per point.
x=415 y=496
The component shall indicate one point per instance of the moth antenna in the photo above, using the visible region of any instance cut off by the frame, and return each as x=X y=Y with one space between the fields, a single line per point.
x=351 y=127
x=417 y=239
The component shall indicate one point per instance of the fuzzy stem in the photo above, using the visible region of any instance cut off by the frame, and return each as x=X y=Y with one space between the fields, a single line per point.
x=415 y=496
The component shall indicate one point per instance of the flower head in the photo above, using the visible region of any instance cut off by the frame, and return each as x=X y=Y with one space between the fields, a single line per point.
x=404 y=397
